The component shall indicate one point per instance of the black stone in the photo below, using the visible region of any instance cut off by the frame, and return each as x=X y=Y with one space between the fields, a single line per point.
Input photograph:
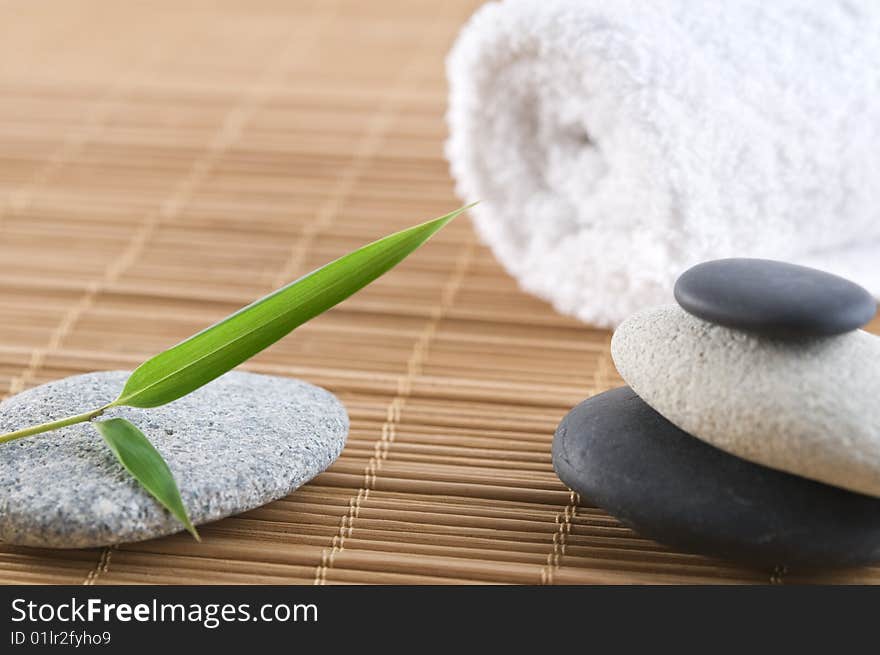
x=773 y=298
x=621 y=455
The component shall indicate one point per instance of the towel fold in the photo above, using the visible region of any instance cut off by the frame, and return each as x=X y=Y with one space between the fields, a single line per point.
x=614 y=144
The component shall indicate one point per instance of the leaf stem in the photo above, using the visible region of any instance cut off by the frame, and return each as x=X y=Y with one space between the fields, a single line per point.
x=54 y=425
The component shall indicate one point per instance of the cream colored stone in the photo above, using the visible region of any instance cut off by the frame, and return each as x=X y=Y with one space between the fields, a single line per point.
x=810 y=407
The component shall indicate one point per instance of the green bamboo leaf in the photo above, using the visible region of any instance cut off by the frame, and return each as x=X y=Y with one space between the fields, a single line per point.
x=223 y=346
x=135 y=452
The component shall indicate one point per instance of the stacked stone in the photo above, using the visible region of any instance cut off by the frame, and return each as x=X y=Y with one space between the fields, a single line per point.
x=750 y=428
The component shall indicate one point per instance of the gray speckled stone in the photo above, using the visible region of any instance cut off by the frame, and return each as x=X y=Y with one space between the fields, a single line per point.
x=235 y=444
x=805 y=406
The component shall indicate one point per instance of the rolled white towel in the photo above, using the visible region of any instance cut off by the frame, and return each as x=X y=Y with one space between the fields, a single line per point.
x=615 y=144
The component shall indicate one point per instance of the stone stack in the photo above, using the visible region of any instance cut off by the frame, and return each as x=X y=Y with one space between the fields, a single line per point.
x=750 y=428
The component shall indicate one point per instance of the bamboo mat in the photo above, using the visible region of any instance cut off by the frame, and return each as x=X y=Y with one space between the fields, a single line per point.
x=163 y=163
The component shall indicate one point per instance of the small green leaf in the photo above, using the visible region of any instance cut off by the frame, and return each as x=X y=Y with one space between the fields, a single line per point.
x=223 y=346
x=137 y=455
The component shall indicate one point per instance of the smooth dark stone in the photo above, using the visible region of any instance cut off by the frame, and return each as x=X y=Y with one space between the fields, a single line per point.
x=620 y=454
x=773 y=298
